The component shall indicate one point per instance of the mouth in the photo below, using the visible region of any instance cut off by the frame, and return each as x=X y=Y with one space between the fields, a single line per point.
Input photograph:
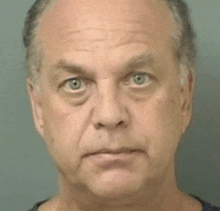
x=113 y=159
x=113 y=151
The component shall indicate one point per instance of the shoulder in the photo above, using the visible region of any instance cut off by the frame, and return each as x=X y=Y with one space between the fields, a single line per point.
x=207 y=206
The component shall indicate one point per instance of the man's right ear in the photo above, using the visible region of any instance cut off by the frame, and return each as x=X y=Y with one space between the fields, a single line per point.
x=36 y=105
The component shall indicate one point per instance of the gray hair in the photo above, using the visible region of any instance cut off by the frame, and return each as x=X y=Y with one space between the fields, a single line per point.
x=183 y=38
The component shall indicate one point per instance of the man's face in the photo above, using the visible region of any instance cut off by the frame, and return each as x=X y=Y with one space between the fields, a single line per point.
x=111 y=109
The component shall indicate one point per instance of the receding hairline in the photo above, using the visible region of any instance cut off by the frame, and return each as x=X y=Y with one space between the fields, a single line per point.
x=172 y=13
x=38 y=39
x=51 y=4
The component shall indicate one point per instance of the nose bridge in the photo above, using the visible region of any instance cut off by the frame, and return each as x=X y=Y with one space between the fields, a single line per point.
x=109 y=99
x=108 y=112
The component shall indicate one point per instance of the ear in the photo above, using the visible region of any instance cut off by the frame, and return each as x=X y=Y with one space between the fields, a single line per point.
x=186 y=100
x=36 y=105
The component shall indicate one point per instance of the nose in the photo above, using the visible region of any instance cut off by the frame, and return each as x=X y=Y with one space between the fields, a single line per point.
x=109 y=113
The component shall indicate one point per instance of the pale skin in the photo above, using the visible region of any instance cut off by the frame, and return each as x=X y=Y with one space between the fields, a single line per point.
x=110 y=106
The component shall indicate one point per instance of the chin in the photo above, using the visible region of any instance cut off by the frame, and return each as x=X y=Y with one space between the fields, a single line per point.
x=117 y=184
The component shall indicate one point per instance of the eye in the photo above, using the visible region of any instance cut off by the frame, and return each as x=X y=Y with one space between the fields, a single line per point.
x=140 y=79
x=75 y=85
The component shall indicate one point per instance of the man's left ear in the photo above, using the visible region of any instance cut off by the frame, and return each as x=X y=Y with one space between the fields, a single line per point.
x=186 y=100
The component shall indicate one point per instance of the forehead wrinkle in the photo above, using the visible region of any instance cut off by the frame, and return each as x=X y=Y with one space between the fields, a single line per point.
x=137 y=61
x=126 y=39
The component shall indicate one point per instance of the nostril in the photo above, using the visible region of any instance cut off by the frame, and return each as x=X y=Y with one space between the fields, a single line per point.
x=120 y=123
x=99 y=125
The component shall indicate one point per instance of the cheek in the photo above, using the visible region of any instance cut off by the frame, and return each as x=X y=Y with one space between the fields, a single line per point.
x=62 y=126
x=160 y=118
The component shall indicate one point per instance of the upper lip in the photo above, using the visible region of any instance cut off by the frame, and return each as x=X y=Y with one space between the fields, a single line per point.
x=112 y=151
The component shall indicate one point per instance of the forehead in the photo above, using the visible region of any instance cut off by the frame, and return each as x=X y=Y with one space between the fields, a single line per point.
x=134 y=10
x=88 y=25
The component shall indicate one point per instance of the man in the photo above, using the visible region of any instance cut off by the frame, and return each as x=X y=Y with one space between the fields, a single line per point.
x=110 y=83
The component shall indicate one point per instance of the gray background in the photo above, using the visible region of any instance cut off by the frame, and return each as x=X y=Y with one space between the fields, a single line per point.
x=26 y=175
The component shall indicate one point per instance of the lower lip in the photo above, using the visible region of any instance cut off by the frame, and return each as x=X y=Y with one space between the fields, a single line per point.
x=113 y=160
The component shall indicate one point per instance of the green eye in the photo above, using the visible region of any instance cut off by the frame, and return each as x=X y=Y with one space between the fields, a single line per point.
x=140 y=78
x=75 y=83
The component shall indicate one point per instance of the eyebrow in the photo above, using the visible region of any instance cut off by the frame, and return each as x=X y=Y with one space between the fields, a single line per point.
x=140 y=61
x=136 y=62
x=70 y=67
